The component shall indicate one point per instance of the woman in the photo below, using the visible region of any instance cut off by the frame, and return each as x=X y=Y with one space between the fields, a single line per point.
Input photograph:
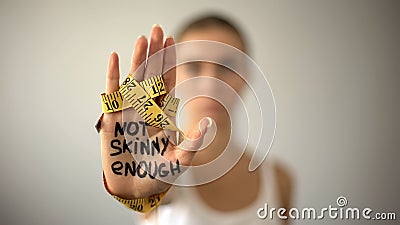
x=231 y=199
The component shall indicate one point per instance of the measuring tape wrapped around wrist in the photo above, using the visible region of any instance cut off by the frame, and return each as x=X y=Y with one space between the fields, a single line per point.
x=144 y=204
x=141 y=96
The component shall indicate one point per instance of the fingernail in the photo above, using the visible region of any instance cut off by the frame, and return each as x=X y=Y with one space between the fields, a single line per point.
x=156 y=25
x=141 y=36
x=205 y=123
x=169 y=36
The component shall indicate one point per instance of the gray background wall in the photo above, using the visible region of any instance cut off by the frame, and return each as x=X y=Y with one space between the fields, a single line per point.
x=333 y=67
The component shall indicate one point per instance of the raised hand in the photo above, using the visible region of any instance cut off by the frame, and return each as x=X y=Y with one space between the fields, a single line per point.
x=129 y=172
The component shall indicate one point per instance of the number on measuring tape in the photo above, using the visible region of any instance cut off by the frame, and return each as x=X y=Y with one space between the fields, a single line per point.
x=141 y=96
x=142 y=204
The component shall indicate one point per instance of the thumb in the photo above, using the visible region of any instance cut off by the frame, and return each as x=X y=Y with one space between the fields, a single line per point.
x=195 y=137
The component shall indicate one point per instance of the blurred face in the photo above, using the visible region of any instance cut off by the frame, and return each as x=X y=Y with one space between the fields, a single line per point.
x=205 y=106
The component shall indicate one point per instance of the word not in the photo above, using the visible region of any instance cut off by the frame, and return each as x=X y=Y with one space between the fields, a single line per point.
x=131 y=128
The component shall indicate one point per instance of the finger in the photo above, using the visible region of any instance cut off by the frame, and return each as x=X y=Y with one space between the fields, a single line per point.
x=197 y=133
x=194 y=139
x=139 y=57
x=187 y=149
x=154 y=61
x=169 y=74
x=112 y=81
x=169 y=71
x=137 y=71
x=155 y=58
x=112 y=85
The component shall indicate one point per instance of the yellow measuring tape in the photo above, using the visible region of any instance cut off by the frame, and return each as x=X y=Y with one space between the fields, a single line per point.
x=141 y=96
x=153 y=86
x=142 y=204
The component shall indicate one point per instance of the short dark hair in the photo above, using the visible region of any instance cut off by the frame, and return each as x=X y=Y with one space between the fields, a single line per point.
x=212 y=21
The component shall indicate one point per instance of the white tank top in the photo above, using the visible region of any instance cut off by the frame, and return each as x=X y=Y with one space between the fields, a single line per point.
x=187 y=208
